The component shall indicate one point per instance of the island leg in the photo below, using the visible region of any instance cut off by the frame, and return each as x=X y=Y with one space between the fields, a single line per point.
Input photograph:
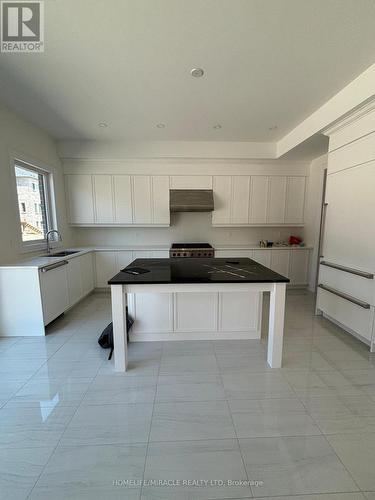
x=118 y=298
x=276 y=325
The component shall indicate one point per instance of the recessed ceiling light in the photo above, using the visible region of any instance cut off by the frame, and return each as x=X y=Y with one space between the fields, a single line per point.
x=102 y=125
x=161 y=125
x=216 y=127
x=197 y=72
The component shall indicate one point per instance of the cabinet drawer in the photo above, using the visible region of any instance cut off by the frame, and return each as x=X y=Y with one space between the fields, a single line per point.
x=357 y=286
x=350 y=315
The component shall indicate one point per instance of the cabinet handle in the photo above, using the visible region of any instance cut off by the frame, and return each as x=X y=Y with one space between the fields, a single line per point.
x=322 y=229
x=350 y=270
x=345 y=296
x=54 y=266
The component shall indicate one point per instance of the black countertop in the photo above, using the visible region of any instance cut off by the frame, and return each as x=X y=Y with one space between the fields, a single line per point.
x=195 y=270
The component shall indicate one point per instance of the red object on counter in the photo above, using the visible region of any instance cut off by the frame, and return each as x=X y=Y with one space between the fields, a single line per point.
x=295 y=240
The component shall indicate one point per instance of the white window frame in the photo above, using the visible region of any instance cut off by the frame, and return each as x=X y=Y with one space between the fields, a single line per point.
x=49 y=193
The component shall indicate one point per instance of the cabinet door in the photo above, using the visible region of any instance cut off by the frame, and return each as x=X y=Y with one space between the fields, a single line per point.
x=299 y=262
x=280 y=262
x=80 y=199
x=153 y=313
x=106 y=268
x=103 y=199
x=258 y=199
x=196 y=312
x=160 y=199
x=295 y=200
x=54 y=291
x=276 y=201
x=240 y=199
x=239 y=311
x=74 y=280
x=87 y=273
x=142 y=213
x=191 y=182
x=222 y=199
x=122 y=194
x=263 y=257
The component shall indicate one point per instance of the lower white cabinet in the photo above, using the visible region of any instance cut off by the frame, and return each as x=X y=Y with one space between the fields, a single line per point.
x=87 y=273
x=54 y=292
x=350 y=316
x=299 y=266
x=263 y=257
x=74 y=280
x=280 y=262
x=105 y=268
x=239 y=311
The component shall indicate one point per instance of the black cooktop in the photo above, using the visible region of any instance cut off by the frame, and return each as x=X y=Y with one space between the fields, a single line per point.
x=191 y=245
x=206 y=270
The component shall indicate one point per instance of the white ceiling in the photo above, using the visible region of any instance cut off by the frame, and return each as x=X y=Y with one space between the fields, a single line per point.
x=128 y=62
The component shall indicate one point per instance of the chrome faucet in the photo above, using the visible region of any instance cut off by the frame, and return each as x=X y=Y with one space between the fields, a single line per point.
x=51 y=231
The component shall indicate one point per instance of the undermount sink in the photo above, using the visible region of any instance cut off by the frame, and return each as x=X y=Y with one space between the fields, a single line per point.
x=61 y=254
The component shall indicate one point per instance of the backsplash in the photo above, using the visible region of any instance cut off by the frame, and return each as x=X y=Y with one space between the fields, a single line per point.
x=184 y=227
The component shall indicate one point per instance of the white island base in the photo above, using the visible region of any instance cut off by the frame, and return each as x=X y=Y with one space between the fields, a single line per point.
x=215 y=304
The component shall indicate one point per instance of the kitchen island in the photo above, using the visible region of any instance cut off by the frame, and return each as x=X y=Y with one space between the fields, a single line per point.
x=197 y=275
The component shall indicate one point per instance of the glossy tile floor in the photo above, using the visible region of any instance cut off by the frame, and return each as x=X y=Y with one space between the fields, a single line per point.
x=189 y=420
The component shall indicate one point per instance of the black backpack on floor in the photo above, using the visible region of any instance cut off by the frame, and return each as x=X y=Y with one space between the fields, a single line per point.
x=106 y=338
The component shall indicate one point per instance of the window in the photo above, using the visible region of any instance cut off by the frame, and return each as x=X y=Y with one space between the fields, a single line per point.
x=33 y=187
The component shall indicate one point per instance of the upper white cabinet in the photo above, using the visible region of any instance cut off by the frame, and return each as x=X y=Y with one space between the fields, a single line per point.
x=103 y=199
x=258 y=200
x=240 y=199
x=160 y=199
x=142 y=212
x=122 y=197
x=222 y=186
x=276 y=200
x=295 y=200
x=79 y=189
x=191 y=182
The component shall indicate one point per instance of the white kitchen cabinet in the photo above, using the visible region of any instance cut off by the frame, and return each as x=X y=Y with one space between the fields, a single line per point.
x=259 y=199
x=263 y=257
x=295 y=200
x=280 y=261
x=276 y=200
x=195 y=312
x=240 y=199
x=349 y=315
x=191 y=182
x=122 y=199
x=106 y=268
x=239 y=312
x=299 y=264
x=87 y=273
x=160 y=199
x=142 y=210
x=54 y=292
x=79 y=194
x=222 y=187
x=74 y=275
x=103 y=199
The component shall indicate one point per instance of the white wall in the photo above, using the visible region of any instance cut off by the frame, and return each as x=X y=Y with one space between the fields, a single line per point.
x=313 y=212
x=185 y=227
x=20 y=136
